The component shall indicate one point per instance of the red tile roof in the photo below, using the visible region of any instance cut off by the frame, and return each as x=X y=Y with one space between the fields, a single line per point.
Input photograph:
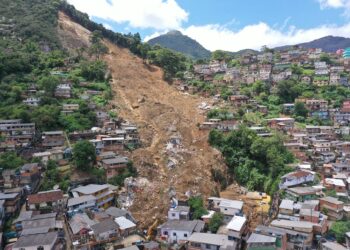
x=49 y=196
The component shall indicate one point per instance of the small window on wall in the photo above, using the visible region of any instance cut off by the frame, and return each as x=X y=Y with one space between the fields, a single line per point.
x=174 y=234
x=185 y=235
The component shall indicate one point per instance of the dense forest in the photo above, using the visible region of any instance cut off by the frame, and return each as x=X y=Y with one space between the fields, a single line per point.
x=254 y=162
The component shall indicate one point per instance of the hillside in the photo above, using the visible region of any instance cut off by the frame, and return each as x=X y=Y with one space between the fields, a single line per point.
x=327 y=44
x=162 y=113
x=176 y=41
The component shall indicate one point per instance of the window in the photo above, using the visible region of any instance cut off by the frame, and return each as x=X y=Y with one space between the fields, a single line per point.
x=207 y=246
x=40 y=248
x=174 y=234
x=173 y=215
x=165 y=232
x=185 y=235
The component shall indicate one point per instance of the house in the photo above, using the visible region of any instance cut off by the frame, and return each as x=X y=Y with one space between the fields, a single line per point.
x=126 y=227
x=52 y=200
x=179 y=213
x=179 y=231
x=304 y=230
x=81 y=202
x=316 y=104
x=54 y=154
x=16 y=131
x=204 y=241
x=12 y=202
x=105 y=230
x=30 y=175
x=43 y=156
x=69 y=108
x=52 y=139
x=41 y=223
x=329 y=245
x=260 y=241
x=237 y=229
x=288 y=108
x=63 y=91
x=345 y=106
x=32 y=101
x=303 y=193
x=334 y=79
x=45 y=241
x=306 y=79
x=104 y=194
x=114 y=165
x=321 y=146
x=336 y=184
x=286 y=207
x=279 y=233
x=115 y=212
x=239 y=100
x=101 y=117
x=10 y=178
x=229 y=208
x=320 y=81
x=282 y=123
x=296 y=178
x=80 y=225
x=332 y=207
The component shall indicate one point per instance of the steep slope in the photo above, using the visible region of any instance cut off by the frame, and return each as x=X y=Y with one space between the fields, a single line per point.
x=327 y=44
x=176 y=41
x=160 y=112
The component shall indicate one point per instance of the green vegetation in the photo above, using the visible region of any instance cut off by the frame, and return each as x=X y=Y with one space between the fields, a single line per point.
x=215 y=222
x=176 y=41
x=339 y=229
x=52 y=177
x=197 y=207
x=130 y=171
x=171 y=62
x=255 y=162
x=222 y=114
x=84 y=155
x=10 y=160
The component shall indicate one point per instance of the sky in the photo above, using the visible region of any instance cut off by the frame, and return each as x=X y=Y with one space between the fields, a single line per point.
x=230 y=25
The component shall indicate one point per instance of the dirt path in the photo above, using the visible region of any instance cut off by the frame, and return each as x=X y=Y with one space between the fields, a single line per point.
x=163 y=112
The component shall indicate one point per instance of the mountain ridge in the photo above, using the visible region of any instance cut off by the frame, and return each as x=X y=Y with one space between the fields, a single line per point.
x=178 y=42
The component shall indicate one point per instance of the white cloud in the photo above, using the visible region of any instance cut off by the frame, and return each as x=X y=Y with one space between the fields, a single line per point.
x=107 y=26
x=333 y=3
x=215 y=37
x=156 y=14
x=164 y=15
x=336 y=4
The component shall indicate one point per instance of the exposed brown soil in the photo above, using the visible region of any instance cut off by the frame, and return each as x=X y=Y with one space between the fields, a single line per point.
x=160 y=112
x=164 y=112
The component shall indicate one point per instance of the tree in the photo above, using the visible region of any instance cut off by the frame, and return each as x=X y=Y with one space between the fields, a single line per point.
x=324 y=57
x=287 y=91
x=221 y=55
x=197 y=207
x=215 y=222
x=49 y=84
x=84 y=155
x=10 y=160
x=94 y=71
x=300 y=110
x=339 y=229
